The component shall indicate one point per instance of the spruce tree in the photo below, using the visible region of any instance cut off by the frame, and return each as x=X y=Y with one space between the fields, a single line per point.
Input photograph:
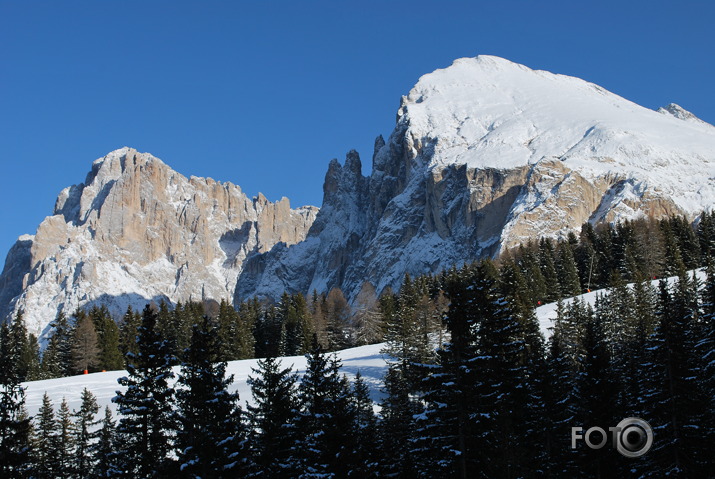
x=14 y=423
x=104 y=452
x=273 y=420
x=325 y=419
x=128 y=332
x=110 y=354
x=65 y=440
x=146 y=425
x=45 y=450
x=396 y=431
x=57 y=358
x=210 y=430
x=85 y=349
x=85 y=435
x=363 y=455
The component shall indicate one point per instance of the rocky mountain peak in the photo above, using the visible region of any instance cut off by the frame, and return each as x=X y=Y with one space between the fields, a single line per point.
x=485 y=154
x=136 y=231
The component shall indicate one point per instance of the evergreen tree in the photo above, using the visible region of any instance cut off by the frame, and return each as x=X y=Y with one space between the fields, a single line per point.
x=325 y=419
x=85 y=435
x=144 y=432
x=85 y=351
x=396 y=427
x=674 y=401
x=128 y=332
x=57 y=358
x=65 y=454
x=46 y=449
x=14 y=423
x=362 y=457
x=273 y=420
x=210 y=425
x=105 y=457
x=110 y=354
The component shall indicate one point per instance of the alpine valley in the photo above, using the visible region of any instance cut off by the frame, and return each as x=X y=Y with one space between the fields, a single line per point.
x=485 y=154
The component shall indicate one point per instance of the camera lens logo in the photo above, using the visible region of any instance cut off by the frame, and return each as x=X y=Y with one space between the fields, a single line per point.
x=632 y=437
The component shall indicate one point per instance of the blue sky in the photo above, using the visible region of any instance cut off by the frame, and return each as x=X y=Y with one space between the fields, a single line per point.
x=265 y=93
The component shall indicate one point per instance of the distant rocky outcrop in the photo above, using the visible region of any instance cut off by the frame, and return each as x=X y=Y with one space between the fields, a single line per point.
x=136 y=231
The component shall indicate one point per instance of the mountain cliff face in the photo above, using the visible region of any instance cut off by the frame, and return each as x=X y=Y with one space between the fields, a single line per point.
x=486 y=154
x=136 y=231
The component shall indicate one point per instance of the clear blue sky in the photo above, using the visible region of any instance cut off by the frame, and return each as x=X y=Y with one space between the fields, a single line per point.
x=265 y=93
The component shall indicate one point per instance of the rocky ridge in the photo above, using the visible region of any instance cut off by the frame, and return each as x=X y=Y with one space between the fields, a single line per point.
x=137 y=231
x=486 y=154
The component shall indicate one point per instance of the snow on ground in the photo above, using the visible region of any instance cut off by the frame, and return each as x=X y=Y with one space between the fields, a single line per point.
x=546 y=314
x=366 y=359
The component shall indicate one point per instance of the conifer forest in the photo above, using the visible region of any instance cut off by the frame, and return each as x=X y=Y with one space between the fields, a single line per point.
x=473 y=389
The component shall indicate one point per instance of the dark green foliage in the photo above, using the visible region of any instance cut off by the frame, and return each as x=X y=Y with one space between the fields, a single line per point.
x=14 y=423
x=85 y=435
x=57 y=358
x=108 y=340
x=128 y=332
x=325 y=423
x=45 y=441
x=273 y=421
x=210 y=429
x=144 y=429
x=103 y=450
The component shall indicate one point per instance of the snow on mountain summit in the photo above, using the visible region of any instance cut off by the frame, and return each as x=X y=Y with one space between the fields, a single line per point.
x=487 y=153
x=490 y=112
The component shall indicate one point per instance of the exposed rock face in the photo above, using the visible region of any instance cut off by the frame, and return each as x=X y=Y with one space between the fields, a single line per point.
x=487 y=154
x=136 y=230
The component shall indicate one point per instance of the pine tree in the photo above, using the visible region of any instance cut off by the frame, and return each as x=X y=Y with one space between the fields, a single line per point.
x=128 y=332
x=396 y=427
x=674 y=400
x=110 y=354
x=85 y=435
x=85 y=350
x=45 y=450
x=273 y=420
x=210 y=425
x=363 y=456
x=24 y=347
x=14 y=423
x=105 y=457
x=325 y=419
x=57 y=358
x=65 y=440
x=144 y=432
x=448 y=431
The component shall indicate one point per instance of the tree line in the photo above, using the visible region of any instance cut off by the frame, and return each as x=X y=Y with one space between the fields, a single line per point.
x=472 y=389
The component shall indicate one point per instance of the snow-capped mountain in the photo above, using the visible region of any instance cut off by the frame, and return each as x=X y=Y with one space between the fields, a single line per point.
x=137 y=231
x=486 y=154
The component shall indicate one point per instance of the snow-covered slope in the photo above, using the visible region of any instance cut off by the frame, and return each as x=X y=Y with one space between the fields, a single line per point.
x=486 y=154
x=366 y=359
x=546 y=314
